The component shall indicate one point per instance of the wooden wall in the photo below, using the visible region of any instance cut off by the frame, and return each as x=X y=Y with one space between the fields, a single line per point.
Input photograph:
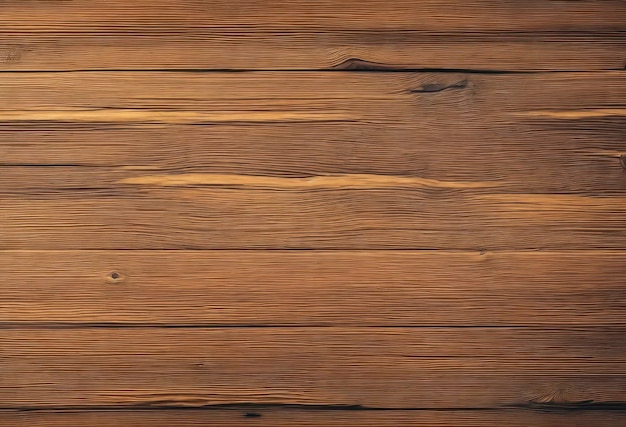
x=312 y=213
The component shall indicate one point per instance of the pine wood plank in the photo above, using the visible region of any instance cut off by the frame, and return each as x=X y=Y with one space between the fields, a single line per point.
x=281 y=417
x=426 y=15
x=358 y=288
x=305 y=34
x=371 y=367
x=142 y=208
x=532 y=133
x=154 y=217
x=521 y=157
x=498 y=50
x=431 y=99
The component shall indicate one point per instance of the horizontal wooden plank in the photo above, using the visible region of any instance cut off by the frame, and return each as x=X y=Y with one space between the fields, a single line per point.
x=427 y=15
x=430 y=99
x=384 y=368
x=520 y=157
x=477 y=34
x=309 y=418
x=316 y=214
x=565 y=137
x=371 y=47
x=359 y=288
x=142 y=208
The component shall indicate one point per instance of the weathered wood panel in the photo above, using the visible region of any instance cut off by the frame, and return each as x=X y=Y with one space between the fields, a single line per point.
x=292 y=417
x=495 y=209
x=581 y=157
x=525 y=133
x=359 y=288
x=305 y=34
x=491 y=129
x=430 y=99
x=370 y=367
x=275 y=217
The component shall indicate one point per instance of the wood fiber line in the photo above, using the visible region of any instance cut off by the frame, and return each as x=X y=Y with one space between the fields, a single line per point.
x=369 y=367
x=105 y=34
x=359 y=288
x=280 y=417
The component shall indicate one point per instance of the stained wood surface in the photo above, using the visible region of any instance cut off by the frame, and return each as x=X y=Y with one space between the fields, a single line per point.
x=282 y=417
x=305 y=34
x=307 y=288
x=312 y=213
x=255 y=201
x=374 y=368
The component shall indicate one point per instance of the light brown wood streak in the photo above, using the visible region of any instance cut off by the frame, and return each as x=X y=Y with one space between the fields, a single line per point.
x=281 y=417
x=358 y=288
x=574 y=115
x=122 y=115
x=309 y=34
x=365 y=181
x=428 y=368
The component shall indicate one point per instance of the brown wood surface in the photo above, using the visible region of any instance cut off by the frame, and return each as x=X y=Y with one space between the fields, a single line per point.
x=312 y=213
x=374 y=368
x=293 y=417
x=490 y=206
x=305 y=34
x=307 y=288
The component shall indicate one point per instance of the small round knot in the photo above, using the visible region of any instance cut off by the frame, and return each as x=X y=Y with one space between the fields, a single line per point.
x=114 y=277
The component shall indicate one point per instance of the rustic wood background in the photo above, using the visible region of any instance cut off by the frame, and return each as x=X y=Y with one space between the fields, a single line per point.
x=312 y=213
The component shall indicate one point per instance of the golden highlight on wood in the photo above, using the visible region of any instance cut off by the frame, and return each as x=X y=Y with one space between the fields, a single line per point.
x=341 y=181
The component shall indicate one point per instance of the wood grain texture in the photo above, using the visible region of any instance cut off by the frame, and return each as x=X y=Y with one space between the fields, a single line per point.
x=342 y=218
x=281 y=417
x=312 y=213
x=307 y=34
x=512 y=131
x=358 y=288
x=369 y=367
x=535 y=157
x=429 y=99
x=218 y=207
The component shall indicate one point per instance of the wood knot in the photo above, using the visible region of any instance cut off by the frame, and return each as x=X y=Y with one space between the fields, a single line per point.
x=622 y=160
x=440 y=87
x=114 y=278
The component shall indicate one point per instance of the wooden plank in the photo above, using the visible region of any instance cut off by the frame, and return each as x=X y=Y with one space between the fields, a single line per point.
x=346 y=212
x=309 y=418
x=526 y=157
x=359 y=288
x=431 y=99
x=299 y=49
x=427 y=15
x=285 y=211
x=476 y=34
x=371 y=367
